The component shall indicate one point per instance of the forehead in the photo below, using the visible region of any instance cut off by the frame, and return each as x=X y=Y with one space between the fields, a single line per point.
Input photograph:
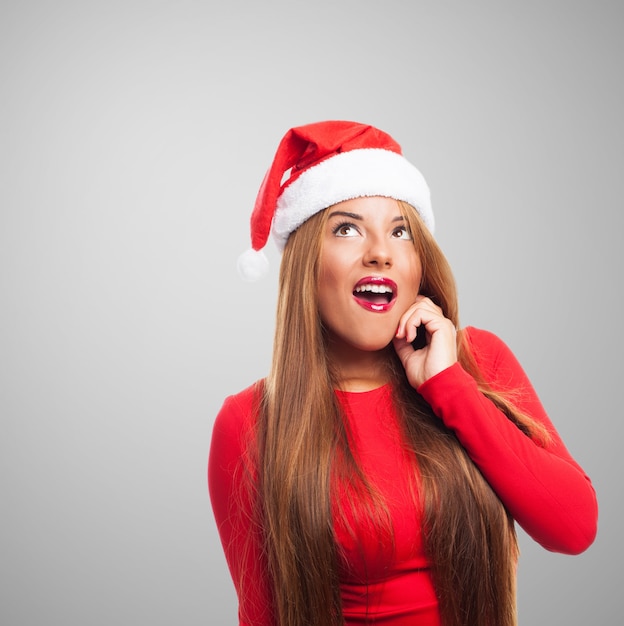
x=368 y=208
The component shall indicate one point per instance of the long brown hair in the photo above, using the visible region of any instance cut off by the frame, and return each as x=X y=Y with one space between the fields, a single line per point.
x=469 y=536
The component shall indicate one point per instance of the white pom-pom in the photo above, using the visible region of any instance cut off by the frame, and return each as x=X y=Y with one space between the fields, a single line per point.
x=252 y=265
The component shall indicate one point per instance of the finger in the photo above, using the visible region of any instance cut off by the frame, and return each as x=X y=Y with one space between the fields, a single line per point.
x=421 y=313
x=409 y=317
x=403 y=349
x=421 y=303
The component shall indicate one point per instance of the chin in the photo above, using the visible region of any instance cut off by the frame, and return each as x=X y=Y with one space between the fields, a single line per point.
x=365 y=342
x=373 y=346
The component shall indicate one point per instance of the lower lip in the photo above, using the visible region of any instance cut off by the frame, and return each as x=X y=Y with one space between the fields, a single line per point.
x=375 y=308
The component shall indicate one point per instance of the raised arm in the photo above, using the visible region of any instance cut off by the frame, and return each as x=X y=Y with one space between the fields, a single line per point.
x=544 y=488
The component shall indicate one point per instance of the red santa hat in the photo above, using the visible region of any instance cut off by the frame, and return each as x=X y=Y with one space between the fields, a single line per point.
x=319 y=165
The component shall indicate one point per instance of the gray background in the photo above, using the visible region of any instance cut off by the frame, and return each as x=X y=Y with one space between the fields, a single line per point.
x=133 y=138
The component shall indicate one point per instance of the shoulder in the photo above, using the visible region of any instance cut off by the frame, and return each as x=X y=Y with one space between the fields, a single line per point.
x=485 y=345
x=232 y=433
x=494 y=358
x=238 y=411
x=481 y=338
x=246 y=398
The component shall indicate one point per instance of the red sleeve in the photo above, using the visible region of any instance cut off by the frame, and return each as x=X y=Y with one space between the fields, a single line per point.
x=232 y=504
x=543 y=488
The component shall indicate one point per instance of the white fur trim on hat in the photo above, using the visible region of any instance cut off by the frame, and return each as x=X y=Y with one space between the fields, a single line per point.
x=352 y=174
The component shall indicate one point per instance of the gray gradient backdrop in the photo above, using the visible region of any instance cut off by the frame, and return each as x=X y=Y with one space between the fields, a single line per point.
x=133 y=138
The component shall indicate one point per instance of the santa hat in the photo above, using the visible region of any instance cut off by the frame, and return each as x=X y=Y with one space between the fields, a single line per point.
x=319 y=165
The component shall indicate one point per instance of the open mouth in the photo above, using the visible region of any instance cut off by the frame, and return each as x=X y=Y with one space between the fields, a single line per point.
x=375 y=294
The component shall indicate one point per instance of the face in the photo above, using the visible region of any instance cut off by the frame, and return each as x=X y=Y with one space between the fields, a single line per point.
x=369 y=273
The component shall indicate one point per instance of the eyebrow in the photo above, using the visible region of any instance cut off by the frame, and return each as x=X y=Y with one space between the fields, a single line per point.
x=357 y=216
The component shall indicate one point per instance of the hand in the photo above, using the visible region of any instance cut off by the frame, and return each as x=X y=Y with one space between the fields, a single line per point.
x=441 y=349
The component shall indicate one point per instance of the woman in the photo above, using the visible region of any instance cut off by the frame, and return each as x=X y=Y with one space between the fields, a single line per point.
x=375 y=475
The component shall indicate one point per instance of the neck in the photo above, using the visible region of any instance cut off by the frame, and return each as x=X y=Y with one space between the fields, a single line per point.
x=357 y=370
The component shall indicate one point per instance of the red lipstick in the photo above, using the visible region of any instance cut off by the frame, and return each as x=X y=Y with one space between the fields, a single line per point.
x=375 y=293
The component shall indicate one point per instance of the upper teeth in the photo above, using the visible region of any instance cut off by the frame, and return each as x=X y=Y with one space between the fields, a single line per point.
x=374 y=288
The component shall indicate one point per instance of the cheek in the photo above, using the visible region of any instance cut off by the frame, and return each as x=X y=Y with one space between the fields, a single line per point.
x=325 y=292
x=417 y=279
x=330 y=271
x=413 y=275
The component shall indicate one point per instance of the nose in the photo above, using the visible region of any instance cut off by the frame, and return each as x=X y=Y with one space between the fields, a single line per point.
x=377 y=253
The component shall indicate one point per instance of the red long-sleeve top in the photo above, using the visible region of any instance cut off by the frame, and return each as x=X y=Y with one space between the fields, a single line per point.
x=543 y=488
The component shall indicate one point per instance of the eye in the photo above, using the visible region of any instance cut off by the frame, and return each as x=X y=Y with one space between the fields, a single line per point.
x=401 y=232
x=345 y=229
